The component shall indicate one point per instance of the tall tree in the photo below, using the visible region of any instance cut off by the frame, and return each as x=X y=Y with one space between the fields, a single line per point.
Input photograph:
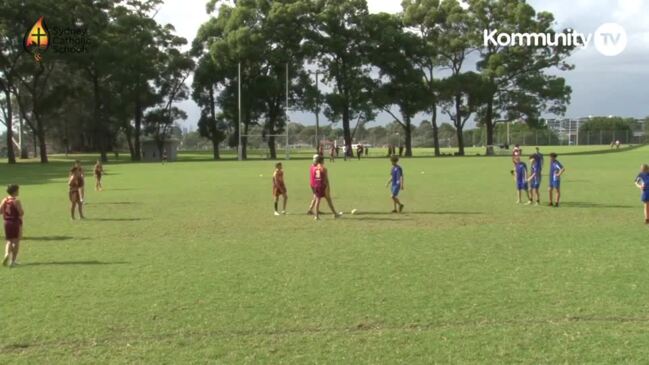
x=425 y=19
x=458 y=39
x=519 y=83
x=339 y=42
x=400 y=79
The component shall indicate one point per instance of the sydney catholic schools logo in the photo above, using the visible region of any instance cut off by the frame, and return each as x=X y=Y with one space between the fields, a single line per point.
x=62 y=40
x=37 y=40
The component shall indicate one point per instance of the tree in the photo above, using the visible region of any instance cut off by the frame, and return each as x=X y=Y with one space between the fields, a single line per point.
x=339 y=45
x=425 y=19
x=175 y=68
x=400 y=81
x=519 y=86
x=462 y=91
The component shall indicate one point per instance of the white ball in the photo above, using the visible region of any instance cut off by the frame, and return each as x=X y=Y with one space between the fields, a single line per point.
x=261 y=175
x=354 y=211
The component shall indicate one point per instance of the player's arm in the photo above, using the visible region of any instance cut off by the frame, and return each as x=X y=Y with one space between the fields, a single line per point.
x=19 y=206
x=638 y=182
x=561 y=171
x=70 y=179
x=401 y=183
x=275 y=178
x=531 y=177
x=2 y=205
x=389 y=181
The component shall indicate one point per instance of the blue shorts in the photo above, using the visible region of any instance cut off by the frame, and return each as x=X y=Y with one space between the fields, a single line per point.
x=535 y=183
x=645 y=196
x=555 y=184
x=521 y=186
x=395 y=190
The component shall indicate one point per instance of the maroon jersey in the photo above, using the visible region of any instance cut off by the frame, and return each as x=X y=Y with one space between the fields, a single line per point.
x=11 y=212
x=75 y=183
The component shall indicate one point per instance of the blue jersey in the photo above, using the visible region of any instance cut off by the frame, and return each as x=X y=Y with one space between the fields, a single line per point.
x=555 y=167
x=643 y=178
x=536 y=171
x=397 y=174
x=521 y=171
x=540 y=155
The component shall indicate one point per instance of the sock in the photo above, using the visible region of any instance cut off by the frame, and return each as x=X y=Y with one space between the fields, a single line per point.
x=275 y=206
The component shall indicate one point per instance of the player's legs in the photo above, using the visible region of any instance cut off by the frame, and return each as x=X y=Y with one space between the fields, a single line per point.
x=82 y=193
x=14 y=252
x=73 y=206
x=551 y=195
x=284 y=203
x=80 y=205
x=311 y=206
x=275 y=202
x=7 y=256
x=558 y=189
x=331 y=204
x=518 y=201
x=317 y=208
x=646 y=212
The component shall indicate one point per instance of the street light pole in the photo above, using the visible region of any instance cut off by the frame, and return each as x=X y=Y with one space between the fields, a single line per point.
x=240 y=148
x=286 y=111
x=317 y=112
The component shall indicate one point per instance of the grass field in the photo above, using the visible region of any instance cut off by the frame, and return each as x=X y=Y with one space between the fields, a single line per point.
x=185 y=263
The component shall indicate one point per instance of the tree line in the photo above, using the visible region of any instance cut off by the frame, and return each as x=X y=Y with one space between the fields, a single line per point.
x=429 y=58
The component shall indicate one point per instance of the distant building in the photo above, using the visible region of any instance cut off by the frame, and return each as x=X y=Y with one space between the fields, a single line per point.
x=151 y=153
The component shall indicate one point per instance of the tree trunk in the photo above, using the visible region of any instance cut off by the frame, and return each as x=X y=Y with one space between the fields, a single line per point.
x=347 y=132
x=460 y=141
x=272 y=148
x=99 y=132
x=244 y=142
x=215 y=129
x=138 y=129
x=490 y=128
x=11 y=155
x=458 y=124
x=435 y=132
x=215 y=147
x=41 y=139
x=129 y=141
x=407 y=128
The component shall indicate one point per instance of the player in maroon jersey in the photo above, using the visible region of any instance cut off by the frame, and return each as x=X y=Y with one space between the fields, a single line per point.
x=12 y=213
x=81 y=181
x=279 y=188
x=321 y=188
x=75 y=182
x=99 y=171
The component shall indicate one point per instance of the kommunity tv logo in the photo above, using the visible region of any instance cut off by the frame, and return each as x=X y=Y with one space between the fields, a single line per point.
x=610 y=39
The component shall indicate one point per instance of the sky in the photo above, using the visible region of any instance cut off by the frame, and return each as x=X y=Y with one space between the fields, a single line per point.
x=601 y=85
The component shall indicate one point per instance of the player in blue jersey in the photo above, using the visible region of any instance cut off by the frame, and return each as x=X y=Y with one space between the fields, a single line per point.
x=396 y=183
x=642 y=182
x=556 y=170
x=520 y=176
x=535 y=178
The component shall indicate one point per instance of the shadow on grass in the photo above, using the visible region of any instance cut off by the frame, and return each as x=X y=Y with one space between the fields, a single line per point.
x=595 y=205
x=116 y=219
x=72 y=263
x=112 y=203
x=406 y=212
x=54 y=238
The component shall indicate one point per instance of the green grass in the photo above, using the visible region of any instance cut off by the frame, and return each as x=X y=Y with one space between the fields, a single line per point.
x=185 y=263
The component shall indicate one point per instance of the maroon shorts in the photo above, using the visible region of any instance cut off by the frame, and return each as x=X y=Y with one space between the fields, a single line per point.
x=74 y=196
x=320 y=191
x=12 y=229
x=279 y=190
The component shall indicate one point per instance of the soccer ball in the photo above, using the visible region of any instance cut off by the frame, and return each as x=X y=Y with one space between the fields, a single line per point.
x=354 y=211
